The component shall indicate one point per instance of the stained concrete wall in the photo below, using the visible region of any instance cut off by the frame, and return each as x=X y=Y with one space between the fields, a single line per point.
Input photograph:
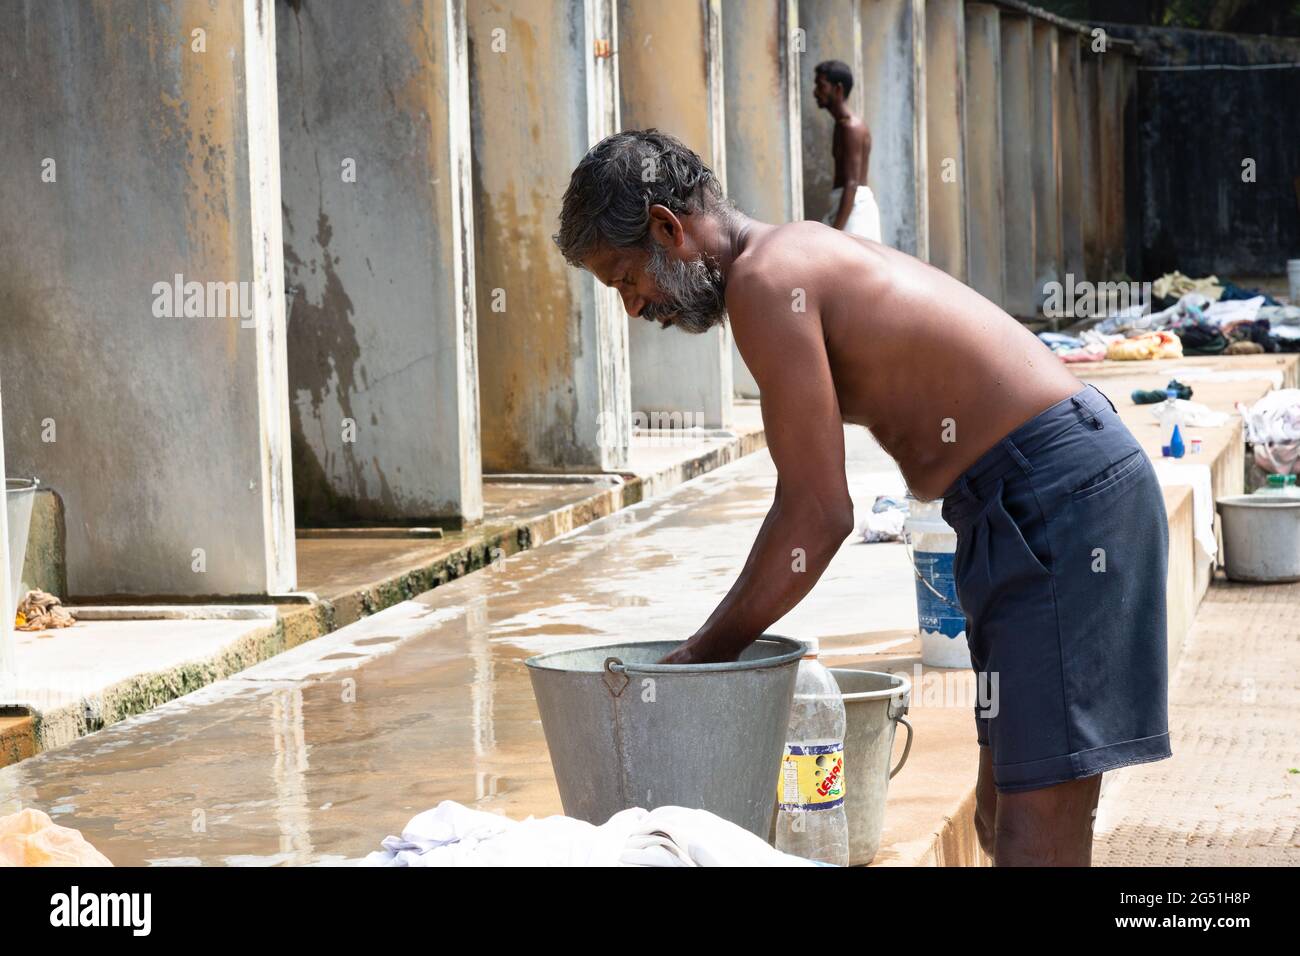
x=1113 y=88
x=893 y=93
x=945 y=118
x=1047 y=157
x=552 y=341
x=762 y=94
x=1094 y=254
x=8 y=602
x=671 y=77
x=1020 y=242
x=984 y=184
x=832 y=30
x=166 y=434
x=378 y=225
x=1069 y=100
x=1196 y=127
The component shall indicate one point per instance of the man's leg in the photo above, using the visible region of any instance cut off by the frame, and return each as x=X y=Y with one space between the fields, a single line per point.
x=986 y=802
x=1051 y=826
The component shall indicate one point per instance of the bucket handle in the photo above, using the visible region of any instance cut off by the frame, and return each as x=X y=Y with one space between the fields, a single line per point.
x=615 y=676
x=908 y=550
x=907 y=747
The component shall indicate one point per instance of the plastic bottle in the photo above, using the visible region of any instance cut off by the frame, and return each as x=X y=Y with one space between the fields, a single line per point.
x=1176 y=448
x=1280 y=486
x=810 y=817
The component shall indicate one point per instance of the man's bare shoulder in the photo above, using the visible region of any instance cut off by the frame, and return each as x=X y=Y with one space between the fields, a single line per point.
x=804 y=255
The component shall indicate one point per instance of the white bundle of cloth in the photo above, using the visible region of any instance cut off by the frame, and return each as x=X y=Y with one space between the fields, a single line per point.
x=452 y=834
x=1274 y=418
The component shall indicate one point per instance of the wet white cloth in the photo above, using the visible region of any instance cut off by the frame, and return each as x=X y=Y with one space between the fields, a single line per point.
x=1171 y=471
x=864 y=220
x=1187 y=413
x=454 y=835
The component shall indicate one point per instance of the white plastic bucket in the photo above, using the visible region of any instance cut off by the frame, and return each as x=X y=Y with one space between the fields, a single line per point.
x=942 y=623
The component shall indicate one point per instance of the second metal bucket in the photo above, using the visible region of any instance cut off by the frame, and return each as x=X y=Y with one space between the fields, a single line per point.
x=625 y=732
x=874 y=704
x=1261 y=538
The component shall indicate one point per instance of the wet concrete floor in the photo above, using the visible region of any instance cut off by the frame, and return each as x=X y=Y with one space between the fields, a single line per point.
x=315 y=755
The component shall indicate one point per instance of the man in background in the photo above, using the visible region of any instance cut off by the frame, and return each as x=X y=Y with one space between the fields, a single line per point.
x=853 y=207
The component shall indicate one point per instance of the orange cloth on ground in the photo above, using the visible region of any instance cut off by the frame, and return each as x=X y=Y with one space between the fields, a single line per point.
x=30 y=838
x=1150 y=345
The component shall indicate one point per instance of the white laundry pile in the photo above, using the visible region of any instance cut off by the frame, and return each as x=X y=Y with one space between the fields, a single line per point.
x=1273 y=429
x=1274 y=418
x=864 y=220
x=1173 y=472
x=885 y=520
x=454 y=835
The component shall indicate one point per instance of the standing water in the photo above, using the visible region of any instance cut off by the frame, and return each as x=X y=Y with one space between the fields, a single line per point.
x=810 y=817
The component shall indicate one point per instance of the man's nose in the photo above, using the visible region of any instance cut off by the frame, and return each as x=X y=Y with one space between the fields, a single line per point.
x=633 y=303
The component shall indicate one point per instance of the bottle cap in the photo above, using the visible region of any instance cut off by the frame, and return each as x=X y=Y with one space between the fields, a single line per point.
x=810 y=648
x=1277 y=481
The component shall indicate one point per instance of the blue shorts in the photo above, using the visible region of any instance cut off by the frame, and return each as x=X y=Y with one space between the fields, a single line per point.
x=1061 y=562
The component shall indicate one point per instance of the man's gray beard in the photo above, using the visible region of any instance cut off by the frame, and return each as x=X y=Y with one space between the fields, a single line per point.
x=696 y=292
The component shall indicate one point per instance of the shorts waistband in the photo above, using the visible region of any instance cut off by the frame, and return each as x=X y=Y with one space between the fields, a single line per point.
x=1013 y=452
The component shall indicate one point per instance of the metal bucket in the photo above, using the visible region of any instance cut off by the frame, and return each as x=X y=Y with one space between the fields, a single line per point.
x=20 y=495
x=1261 y=538
x=874 y=704
x=625 y=732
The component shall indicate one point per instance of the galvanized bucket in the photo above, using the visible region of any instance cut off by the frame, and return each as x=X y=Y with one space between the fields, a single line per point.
x=874 y=704
x=625 y=732
x=1261 y=538
x=20 y=494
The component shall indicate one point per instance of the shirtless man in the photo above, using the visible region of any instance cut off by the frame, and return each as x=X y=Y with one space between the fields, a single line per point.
x=852 y=206
x=1062 y=536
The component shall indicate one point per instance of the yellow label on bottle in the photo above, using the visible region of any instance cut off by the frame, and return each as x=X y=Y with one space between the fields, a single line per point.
x=812 y=778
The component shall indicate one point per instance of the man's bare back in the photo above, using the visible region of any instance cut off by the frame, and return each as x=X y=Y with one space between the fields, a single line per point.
x=851 y=150
x=935 y=371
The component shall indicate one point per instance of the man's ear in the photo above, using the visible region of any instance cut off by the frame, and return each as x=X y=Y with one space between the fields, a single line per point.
x=665 y=227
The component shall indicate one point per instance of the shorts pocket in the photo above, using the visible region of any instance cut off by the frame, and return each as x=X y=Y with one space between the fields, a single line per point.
x=1113 y=477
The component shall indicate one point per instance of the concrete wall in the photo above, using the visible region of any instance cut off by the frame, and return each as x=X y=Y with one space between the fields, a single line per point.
x=945 y=117
x=893 y=93
x=1069 y=102
x=671 y=77
x=1112 y=96
x=832 y=30
x=1094 y=255
x=762 y=94
x=552 y=341
x=1020 y=241
x=1047 y=157
x=1196 y=127
x=984 y=184
x=8 y=602
x=378 y=225
x=167 y=436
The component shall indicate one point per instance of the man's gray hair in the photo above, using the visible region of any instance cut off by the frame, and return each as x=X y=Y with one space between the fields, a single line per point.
x=612 y=189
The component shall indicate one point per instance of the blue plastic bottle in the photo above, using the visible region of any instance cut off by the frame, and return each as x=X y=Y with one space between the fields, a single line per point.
x=1176 y=448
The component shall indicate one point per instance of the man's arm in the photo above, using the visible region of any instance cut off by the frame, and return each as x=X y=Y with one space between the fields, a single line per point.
x=812 y=512
x=849 y=165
